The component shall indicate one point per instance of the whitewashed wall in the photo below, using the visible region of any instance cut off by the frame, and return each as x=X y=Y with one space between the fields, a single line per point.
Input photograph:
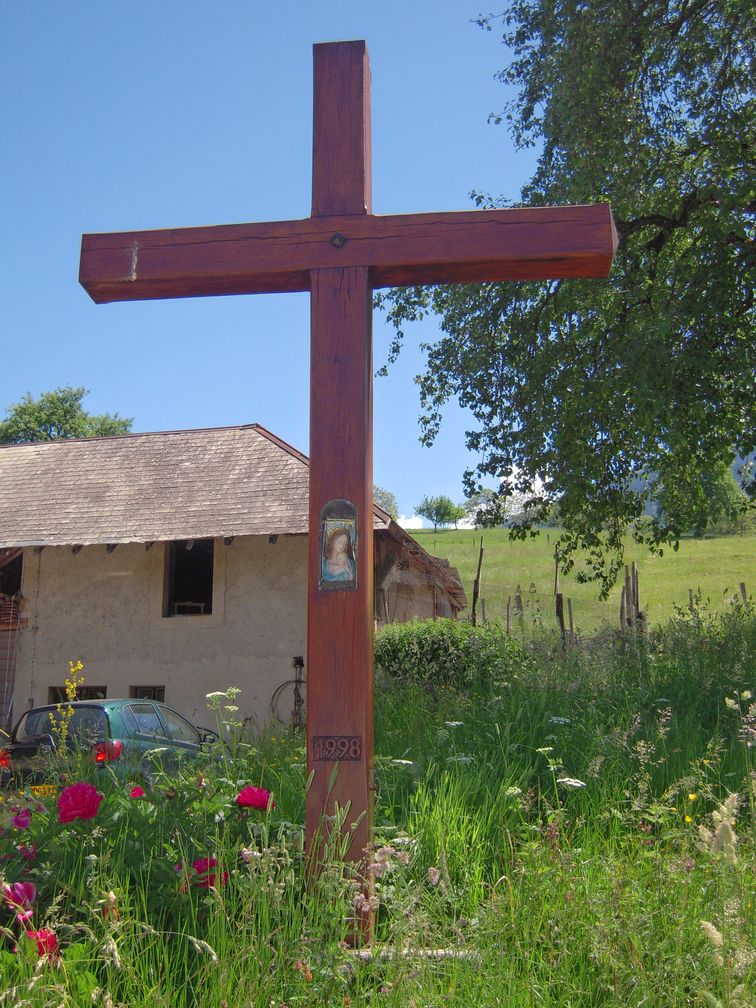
x=105 y=609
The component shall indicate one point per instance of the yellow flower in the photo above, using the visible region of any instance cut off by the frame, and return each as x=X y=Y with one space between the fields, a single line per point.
x=688 y=818
x=692 y=796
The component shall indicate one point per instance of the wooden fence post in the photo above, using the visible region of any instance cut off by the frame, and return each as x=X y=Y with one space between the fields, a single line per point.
x=476 y=585
x=560 y=612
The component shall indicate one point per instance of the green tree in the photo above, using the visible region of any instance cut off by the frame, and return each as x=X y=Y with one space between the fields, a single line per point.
x=55 y=415
x=716 y=503
x=386 y=500
x=480 y=507
x=439 y=510
x=583 y=391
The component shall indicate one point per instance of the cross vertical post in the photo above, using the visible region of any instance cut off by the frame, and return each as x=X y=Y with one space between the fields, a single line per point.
x=340 y=616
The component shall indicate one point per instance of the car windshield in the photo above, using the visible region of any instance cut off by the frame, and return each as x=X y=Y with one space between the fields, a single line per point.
x=87 y=724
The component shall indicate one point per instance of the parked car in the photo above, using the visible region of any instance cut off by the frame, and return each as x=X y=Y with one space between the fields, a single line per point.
x=115 y=733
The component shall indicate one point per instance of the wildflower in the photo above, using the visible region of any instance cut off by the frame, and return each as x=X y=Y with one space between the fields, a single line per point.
x=688 y=818
x=108 y=905
x=78 y=801
x=692 y=796
x=248 y=856
x=434 y=876
x=366 y=904
x=204 y=877
x=402 y=762
x=453 y=724
x=571 y=782
x=137 y=792
x=712 y=934
x=19 y=896
x=170 y=793
x=22 y=819
x=47 y=942
x=27 y=851
x=255 y=797
x=304 y=969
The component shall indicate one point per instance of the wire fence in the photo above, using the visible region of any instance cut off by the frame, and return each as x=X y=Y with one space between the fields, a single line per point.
x=526 y=613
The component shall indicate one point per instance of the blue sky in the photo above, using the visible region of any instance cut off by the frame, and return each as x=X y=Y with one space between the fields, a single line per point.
x=165 y=114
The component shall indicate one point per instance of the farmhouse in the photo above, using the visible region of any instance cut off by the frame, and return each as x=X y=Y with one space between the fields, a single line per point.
x=173 y=564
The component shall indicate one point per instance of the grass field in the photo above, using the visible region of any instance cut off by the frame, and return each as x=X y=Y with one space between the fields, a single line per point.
x=572 y=829
x=712 y=568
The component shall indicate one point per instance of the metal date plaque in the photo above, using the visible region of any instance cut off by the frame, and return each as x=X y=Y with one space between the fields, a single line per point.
x=337 y=748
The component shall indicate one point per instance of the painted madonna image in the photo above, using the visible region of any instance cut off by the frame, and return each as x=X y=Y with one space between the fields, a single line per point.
x=338 y=568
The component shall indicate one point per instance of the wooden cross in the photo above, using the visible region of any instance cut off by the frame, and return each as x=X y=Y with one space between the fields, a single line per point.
x=340 y=254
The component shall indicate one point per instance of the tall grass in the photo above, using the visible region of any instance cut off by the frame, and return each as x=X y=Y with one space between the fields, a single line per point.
x=564 y=829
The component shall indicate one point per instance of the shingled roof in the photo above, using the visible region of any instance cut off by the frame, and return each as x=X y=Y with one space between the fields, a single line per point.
x=192 y=484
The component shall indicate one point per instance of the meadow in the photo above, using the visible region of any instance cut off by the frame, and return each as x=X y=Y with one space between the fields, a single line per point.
x=712 y=568
x=554 y=827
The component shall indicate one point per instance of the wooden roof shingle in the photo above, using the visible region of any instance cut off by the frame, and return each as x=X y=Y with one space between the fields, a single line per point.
x=168 y=485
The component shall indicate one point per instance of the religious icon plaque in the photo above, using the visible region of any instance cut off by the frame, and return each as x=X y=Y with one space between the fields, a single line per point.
x=338 y=546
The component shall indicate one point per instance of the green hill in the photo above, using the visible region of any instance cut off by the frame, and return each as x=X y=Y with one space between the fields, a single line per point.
x=711 y=568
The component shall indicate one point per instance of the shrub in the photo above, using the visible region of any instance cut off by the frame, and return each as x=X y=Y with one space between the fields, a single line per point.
x=444 y=652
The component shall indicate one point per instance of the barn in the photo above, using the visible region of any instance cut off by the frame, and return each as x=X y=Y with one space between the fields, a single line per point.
x=173 y=564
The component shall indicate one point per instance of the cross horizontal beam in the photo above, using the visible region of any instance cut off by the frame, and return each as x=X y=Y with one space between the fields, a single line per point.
x=473 y=246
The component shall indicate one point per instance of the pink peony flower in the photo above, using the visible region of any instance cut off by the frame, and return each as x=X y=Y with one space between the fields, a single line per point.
x=254 y=797
x=78 y=801
x=22 y=819
x=19 y=896
x=47 y=941
x=137 y=792
x=204 y=877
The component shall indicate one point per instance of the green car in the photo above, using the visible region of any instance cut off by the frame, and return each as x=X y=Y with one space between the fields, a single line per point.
x=114 y=733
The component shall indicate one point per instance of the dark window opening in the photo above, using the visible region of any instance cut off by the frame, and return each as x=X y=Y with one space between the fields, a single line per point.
x=57 y=694
x=188 y=578
x=147 y=692
x=10 y=577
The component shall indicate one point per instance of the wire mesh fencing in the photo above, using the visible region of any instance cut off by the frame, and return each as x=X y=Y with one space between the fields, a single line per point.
x=524 y=612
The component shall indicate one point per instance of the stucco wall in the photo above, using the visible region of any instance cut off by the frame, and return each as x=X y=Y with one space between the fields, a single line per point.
x=105 y=608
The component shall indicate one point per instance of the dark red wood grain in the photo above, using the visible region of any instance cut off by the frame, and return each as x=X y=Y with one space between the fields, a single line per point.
x=341 y=161
x=471 y=246
x=340 y=623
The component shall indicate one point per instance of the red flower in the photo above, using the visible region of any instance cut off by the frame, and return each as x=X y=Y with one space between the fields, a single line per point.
x=78 y=801
x=254 y=797
x=47 y=941
x=27 y=851
x=137 y=792
x=204 y=877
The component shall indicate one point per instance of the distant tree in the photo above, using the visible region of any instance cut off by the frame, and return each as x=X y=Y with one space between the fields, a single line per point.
x=717 y=502
x=57 y=415
x=457 y=514
x=480 y=507
x=386 y=500
x=439 y=510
